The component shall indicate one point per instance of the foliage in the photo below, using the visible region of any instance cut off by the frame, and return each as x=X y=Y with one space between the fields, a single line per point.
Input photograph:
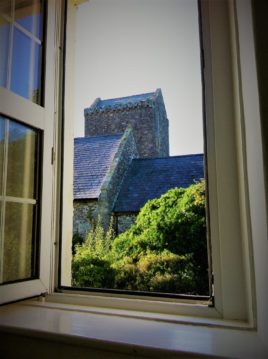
x=91 y=266
x=77 y=240
x=161 y=272
x=165 y=250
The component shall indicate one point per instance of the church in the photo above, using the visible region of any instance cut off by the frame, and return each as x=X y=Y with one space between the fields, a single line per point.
x=123 y=161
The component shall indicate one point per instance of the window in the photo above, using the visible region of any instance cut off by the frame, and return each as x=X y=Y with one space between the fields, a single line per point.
x=117 y=170
x=19 y=201
x=27 y=120
x=21 y=45
x=237 y=211
x=227 y=166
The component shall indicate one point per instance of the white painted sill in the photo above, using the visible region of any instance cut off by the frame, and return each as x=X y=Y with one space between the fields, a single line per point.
x=131 y=331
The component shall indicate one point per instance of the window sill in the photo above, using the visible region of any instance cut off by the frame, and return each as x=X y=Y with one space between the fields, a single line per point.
x=129 y=332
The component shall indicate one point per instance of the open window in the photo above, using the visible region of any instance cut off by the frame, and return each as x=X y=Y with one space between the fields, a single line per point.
x=135 y=153
x=226 y=164
x=237 y=324
x=27 y=120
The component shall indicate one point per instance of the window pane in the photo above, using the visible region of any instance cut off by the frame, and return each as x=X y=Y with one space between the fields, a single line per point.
x=4 y=40
x=28 y=15
x=21 y=64
x=18 y=200
x=21 y=49
x=18 y=242
x=21 y=161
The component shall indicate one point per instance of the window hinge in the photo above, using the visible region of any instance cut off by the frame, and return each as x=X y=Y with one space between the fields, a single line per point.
x=52 y=155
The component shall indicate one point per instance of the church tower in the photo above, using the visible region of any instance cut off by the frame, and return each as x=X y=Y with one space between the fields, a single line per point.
x=145 y=114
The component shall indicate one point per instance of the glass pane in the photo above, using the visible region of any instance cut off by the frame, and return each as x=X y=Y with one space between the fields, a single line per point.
x=21 y=64
x=21 y=161
x=18 y=242
x=2 y=143
x=5 y=7
x=4 y=42
x=28 y=15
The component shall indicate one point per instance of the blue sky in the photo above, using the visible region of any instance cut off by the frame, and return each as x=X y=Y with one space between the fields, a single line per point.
x=127 y=47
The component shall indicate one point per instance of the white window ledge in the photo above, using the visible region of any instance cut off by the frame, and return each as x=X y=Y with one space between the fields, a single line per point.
x=125 y=332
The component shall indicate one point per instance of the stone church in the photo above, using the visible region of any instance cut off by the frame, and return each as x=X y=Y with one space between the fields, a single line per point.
x=123 y=161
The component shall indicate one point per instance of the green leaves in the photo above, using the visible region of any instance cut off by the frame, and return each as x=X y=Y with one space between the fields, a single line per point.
x=165 y=250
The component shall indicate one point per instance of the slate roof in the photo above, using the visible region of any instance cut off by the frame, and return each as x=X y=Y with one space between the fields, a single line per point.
x=150 y=178
x=92 y=159
x=122 y=103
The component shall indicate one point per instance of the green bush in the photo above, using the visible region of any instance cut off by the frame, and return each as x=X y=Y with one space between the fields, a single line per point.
x=158 y=272
x=91 y=266
x=175 y=222
x=77 y=240
x=165 y=250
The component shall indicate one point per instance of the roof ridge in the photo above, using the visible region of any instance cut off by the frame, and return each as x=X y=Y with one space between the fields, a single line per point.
x=168 y=157
x=125 y=97
x=120 y=134
x=126 y=102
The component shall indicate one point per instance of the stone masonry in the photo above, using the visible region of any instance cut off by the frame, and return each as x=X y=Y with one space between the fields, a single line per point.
x=84 y=212
x=94 y=203
x=145 y=114
x=114 y=178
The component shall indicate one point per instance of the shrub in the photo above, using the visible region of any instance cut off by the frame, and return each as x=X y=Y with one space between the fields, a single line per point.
x=158 y=272
x=165 y=250
x=175 y=222
x=91 y=262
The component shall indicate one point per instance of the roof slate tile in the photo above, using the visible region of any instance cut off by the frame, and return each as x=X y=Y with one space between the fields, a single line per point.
x=93 y=157
x=150 y=178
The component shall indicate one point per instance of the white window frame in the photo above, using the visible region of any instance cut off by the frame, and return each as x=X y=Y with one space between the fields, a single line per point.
x=229 y=159
x=45 y=119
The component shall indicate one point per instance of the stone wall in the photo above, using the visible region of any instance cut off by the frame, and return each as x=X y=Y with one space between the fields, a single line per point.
x=113 y=180
x=162 y=126
x=124 y=222
x=148 y=120
x=83 y=214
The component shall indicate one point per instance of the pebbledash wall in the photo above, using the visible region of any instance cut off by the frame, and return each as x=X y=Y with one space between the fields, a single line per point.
x=144 y=113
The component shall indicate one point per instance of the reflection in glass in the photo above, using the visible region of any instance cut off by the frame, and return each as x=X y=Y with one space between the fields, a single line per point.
x=21 y=161
x=5 y=7
x=18 y=242
x=27 y=14
x=4 y=39
x=18 y=200
x=20 y=74
x=21 y=41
